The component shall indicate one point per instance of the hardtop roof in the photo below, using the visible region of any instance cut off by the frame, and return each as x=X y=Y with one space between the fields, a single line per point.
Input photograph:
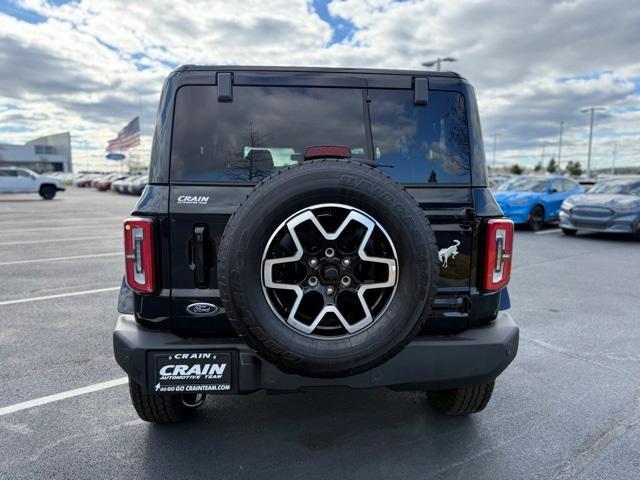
x=361 y=71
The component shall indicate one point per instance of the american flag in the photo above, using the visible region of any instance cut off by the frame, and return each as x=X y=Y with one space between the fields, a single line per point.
x=128 y=137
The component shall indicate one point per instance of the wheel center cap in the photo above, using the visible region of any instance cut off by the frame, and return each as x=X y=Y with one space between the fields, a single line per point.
x=330 y=273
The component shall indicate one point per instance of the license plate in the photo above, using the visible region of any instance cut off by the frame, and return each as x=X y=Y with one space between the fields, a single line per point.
x=191 y=372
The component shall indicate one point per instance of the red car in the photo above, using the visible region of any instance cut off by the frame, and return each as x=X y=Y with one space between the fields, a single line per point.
x=85 y=180
x=104 y=183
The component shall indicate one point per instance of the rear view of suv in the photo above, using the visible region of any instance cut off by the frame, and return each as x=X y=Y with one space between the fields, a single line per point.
x=314 y=227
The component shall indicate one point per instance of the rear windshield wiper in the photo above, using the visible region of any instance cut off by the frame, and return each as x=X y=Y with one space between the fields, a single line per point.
x=374 y=164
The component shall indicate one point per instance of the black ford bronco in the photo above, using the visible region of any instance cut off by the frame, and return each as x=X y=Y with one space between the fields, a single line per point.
x=308 y=227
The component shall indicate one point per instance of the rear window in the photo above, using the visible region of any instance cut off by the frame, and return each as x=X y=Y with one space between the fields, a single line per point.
x=263 y=129
x=524 y=184
x=267 y=128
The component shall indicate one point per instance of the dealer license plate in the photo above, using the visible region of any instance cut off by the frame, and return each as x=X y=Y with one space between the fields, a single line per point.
x=191 y=372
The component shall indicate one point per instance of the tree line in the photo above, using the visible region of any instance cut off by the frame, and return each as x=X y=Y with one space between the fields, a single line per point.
x=572 y=168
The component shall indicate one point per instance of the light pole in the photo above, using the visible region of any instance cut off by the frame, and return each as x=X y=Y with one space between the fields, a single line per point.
x=438 y=62
x=591 y=110
x=560 y=144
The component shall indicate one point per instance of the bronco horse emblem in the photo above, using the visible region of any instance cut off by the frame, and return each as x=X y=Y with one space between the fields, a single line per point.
x=450 y=252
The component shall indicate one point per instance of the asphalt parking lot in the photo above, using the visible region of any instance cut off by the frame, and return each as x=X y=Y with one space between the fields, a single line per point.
x=569 y=406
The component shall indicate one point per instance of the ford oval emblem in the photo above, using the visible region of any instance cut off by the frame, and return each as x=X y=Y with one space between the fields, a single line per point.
x=202 y=309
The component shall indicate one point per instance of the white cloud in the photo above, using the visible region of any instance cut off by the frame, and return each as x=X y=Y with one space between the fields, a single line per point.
x=92 y=65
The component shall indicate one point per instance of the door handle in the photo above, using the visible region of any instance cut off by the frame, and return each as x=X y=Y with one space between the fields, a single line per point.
x=201 y=255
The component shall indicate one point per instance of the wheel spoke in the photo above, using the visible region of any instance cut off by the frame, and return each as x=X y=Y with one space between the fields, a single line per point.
x=389 y=262
x=310 y=216
x=268 y=264
x=350 y=328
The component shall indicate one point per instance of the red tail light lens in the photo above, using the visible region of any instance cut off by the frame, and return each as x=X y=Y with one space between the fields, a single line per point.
x=497 y=258
x=330 y=151
x=139 y=254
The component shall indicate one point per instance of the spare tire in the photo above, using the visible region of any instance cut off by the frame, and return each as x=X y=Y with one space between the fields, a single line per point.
x=328 y=268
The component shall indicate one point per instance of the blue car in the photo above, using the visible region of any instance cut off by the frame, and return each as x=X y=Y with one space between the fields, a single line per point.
x=534 y=200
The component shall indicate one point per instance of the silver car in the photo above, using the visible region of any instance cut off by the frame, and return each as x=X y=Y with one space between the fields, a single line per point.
x=611 y=206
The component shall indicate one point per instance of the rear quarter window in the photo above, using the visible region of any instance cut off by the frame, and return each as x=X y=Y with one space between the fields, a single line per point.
x=426 y=144
x=569 y=185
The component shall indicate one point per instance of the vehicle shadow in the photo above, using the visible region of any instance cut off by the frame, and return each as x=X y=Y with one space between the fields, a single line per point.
x=21 y=200
x=521 y=227
x=594 y=236
x=320 y=434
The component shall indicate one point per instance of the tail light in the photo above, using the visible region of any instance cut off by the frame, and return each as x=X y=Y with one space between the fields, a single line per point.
x=497 y=258
x=139 y=254
x=330 y=151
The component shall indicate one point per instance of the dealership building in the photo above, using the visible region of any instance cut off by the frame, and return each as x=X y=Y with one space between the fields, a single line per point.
x=45 y=154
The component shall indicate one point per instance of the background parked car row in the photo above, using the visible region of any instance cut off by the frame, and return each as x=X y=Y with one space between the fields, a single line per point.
x=612 y=205
x=132 y=184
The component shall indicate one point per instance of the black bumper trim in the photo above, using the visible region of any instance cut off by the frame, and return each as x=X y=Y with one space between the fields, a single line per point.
x=472 y=357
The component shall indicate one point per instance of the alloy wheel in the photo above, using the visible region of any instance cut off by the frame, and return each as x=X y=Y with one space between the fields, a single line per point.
x=329 y=271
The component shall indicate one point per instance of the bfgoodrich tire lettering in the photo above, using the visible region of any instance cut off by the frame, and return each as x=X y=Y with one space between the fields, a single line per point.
x=292 y=190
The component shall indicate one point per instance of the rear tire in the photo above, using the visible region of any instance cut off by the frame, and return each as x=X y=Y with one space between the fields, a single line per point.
x=461 y=401
x=47 y=192
x=536 y=218
x=163 y=408
x=569 y=232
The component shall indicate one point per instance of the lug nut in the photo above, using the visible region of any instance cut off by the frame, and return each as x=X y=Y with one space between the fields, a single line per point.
x=313 y=262
x=329 y=290
x=346 y=281
x=313 y=281
x=346 y=262
x=329 y=252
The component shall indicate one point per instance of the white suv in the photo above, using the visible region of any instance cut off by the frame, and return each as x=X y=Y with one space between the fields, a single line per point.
x=23 y=180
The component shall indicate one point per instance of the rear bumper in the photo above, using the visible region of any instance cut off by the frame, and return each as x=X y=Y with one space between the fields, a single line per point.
x=428 y=363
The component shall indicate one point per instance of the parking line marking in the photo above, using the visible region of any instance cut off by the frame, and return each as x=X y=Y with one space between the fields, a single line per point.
x=50 y=240
x=545 y=232
x=59 y=295
x=96 y=387
x=60 y=259
x=60 y=227
x=48 y=219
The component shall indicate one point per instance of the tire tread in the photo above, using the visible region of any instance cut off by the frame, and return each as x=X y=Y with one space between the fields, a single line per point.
x=157 y=408
x=461 y=401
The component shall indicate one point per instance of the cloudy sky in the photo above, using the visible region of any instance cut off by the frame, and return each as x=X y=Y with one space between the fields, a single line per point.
x=90 y=66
